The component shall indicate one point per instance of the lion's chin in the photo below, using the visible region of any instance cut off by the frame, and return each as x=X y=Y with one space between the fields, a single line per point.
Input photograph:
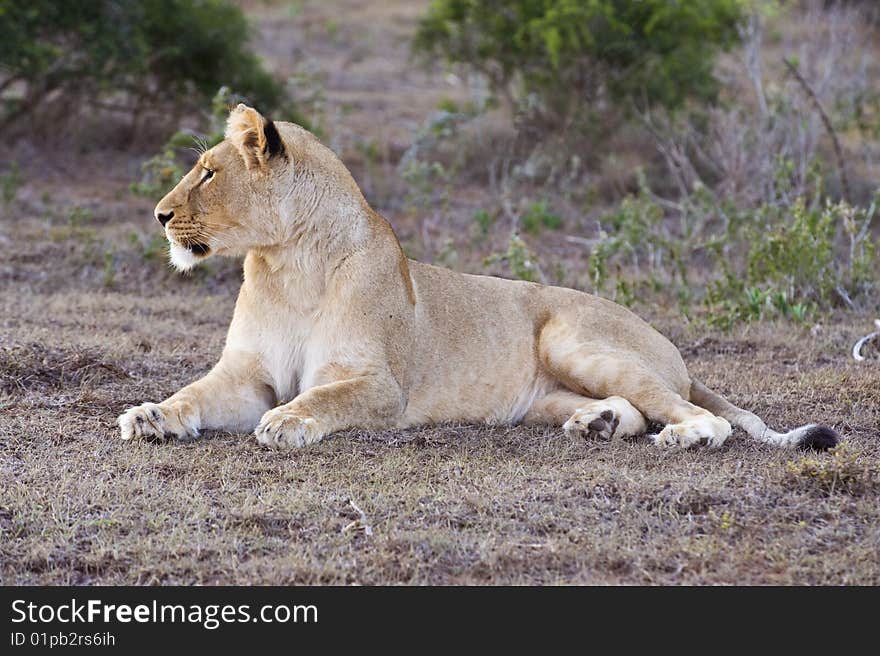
x=183 y=259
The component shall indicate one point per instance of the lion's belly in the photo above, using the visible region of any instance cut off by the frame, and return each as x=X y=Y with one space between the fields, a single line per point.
x=475 y=398
x=475 y=357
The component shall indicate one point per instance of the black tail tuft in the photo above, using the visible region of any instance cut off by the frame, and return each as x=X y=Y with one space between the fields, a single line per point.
x=819 y=438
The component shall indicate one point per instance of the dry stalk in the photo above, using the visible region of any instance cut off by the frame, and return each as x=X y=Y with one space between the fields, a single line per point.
x=838 y=151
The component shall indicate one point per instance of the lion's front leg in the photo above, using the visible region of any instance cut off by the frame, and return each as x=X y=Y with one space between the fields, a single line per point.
x=232 y=396
x=364 y=401
x=157 y=421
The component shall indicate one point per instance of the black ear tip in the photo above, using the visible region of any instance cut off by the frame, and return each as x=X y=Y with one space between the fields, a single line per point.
x=274 y=145
x=819 y=438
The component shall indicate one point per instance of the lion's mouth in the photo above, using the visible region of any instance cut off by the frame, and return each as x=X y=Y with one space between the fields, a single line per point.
x=199 y=249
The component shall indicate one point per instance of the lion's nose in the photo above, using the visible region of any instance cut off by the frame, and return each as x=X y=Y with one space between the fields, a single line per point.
x=164 y=217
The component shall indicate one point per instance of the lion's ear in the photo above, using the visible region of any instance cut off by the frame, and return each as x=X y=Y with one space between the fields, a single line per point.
x=255 y=137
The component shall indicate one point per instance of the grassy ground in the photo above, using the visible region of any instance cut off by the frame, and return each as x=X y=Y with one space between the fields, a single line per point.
x=446 y=505
x=92 y=321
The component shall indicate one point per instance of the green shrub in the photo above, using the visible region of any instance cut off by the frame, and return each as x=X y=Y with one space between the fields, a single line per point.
x=798 y=261
x=11 y=182
x=566 y=54
x=539 y=216
x=484 y=220
x=519 y=260
x=796 y=255
x=636 y=234
x=168 y=53
x=741 y=265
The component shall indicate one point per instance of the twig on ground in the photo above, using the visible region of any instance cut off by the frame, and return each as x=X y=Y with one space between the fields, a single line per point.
x=860 y=345
x=359 y=524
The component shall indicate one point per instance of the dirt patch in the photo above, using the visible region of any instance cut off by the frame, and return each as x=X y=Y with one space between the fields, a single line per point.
x=34 y=367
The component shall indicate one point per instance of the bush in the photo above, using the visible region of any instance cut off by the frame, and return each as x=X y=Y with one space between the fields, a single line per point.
x=173 y=53
x=10 y=183
x=538 y=216
x=568 y=54
x=519 y=260
x=797 y=261
x=742 y=264
x=636 y=235
x=766 y=142
x=845 y=472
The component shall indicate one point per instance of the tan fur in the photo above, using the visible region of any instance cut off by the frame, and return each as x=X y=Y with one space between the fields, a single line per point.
x=334 y=328
x=244 y=130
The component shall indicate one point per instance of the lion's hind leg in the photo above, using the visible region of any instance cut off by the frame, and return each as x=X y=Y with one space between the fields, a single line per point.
x=701 y=428
x=600 y=371
x=587 y=418
x=604 y=419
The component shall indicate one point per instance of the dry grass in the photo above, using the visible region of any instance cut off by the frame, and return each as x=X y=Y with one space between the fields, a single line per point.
x=452 y=504
x=92 y=321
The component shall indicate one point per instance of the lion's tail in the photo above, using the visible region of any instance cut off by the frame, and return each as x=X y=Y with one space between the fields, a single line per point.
x=811 y=436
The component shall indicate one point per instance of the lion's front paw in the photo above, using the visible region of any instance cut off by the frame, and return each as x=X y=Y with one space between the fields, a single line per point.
x=154 y=422
x=282 y=429
x=592 y=424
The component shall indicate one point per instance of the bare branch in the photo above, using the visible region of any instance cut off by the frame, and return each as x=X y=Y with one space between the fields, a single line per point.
x=828 y=126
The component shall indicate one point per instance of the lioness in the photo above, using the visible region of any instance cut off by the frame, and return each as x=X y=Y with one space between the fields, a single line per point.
x=335 y=328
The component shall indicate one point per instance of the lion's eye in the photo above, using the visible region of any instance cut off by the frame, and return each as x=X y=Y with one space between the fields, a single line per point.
x=208 y=174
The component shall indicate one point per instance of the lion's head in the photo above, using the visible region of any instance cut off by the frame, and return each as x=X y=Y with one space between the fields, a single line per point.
x=253 y=190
